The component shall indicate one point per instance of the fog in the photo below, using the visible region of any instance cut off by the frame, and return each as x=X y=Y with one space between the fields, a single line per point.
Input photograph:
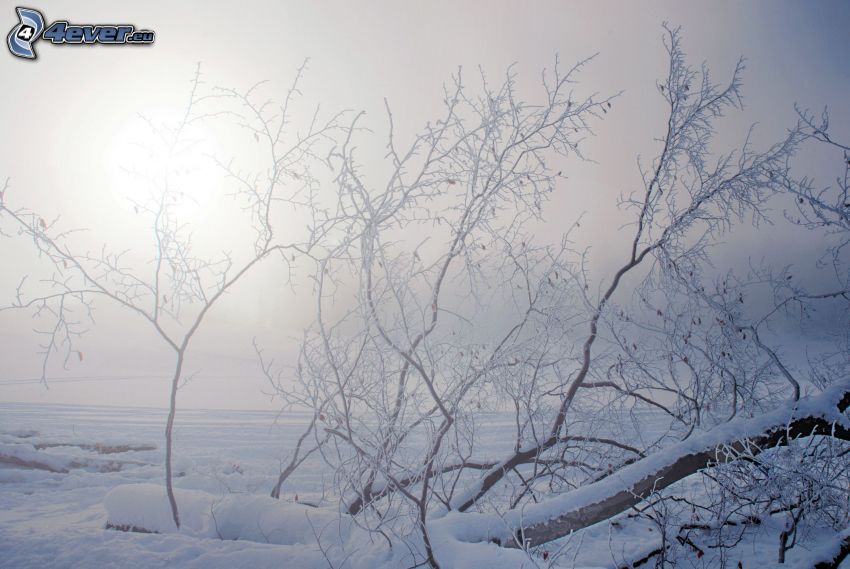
x=71 y=122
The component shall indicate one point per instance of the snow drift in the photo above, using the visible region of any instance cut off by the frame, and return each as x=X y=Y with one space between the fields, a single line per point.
x=145 y=507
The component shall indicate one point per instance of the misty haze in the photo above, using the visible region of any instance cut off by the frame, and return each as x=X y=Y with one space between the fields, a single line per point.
x=443 y=285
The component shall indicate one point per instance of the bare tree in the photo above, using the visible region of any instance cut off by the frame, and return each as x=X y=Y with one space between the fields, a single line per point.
x=397 y=367
x=451 y=307
x=176 y=294
x=436 y=303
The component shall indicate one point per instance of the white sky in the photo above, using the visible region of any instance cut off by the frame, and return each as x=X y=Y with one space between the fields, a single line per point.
x=69 y=118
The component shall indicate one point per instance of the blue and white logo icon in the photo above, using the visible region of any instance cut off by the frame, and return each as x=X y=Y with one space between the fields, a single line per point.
x=25 y=34
x=32 y=27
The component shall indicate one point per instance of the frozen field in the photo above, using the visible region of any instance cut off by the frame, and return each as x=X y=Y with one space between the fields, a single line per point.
x=57 y=519
x=60 y=462
x=54 y=519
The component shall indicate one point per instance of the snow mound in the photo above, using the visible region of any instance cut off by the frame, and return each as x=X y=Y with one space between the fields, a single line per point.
x=145 y=506
x=266 y=520
x=23 y=455
x=305 y=529
x=31 y=457
x=241 y=517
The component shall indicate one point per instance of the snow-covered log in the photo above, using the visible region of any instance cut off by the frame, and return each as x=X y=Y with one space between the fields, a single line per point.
x=540 y=523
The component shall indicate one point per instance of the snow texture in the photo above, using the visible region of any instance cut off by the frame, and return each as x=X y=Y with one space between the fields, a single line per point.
x=57 y=520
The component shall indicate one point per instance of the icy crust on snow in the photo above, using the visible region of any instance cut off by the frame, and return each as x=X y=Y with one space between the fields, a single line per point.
x=232 y=517
x=32 y=457
x=25 y=454
x=104 y=445
x=470 y=526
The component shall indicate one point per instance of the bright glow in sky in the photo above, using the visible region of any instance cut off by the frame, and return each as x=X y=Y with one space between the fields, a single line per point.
x=70 y=122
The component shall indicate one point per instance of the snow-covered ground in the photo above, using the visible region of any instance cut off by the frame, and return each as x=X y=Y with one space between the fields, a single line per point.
x=65 y=471
x=54 y=519
x=53 y=505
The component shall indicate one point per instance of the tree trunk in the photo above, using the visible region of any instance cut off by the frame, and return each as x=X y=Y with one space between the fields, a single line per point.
x=169 y=439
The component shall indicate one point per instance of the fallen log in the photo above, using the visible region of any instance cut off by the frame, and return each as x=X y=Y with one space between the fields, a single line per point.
x=558 y=517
